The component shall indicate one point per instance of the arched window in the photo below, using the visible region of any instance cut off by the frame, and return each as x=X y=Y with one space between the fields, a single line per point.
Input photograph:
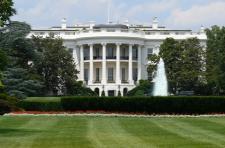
x=125 y=90
x=97 y=91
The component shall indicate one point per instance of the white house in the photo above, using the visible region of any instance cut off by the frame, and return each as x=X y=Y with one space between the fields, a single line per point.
x=114 y=57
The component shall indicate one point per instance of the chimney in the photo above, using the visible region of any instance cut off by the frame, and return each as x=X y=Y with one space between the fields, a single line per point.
x=155 y=23
x=63 y=23
x=202 y=29
x=126 y=22
x=92 y=24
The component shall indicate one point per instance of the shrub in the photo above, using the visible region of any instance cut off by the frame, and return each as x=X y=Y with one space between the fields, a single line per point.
x=103 y=93
x=7 y=103
x=4 y=107
x=144 y=88
x=150 y=105
x=40 y=106
x=119 y=93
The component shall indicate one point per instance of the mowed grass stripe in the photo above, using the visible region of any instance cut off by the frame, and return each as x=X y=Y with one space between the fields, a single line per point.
x=212 y=129
x=68 y=132
x=11 y=131
x=108 y=132
x=153 y=134
x=186 y=128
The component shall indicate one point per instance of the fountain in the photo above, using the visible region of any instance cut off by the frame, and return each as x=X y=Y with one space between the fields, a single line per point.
x=160 y=85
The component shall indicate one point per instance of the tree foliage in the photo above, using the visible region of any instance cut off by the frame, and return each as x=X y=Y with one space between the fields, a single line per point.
x=14 y=42
x=183 y=62
x=215 y=60
x=55 y=64
x=144 y=88
x=18 y=83
x=6 y=11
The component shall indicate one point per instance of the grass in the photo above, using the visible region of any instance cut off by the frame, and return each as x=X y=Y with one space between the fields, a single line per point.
x=112 y=132
x=43 y=99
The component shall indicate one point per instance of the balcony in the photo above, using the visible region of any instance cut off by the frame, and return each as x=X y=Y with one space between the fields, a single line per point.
x=86 y=58
x=124 y=81
x=97 y=57
x=124 y=57
x=134 y=58
x=111 y=57
x=111 y=81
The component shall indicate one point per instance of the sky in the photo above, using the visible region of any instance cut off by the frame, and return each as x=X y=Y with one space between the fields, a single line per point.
x=174 y=14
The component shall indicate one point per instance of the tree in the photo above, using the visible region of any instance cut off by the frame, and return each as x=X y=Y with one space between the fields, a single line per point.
x=15 y=44
x=152 y=66
x=19 y=84
x=6 y=11
x=3 y=63
x=144 y=88
x=55 y=64
x=183 y=62
x=77 y=89
x=215 y=59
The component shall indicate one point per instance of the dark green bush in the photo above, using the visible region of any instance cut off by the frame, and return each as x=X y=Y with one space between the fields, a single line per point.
x=150 y=105
x=4 y=107
x=7 y=104
x=40 y=106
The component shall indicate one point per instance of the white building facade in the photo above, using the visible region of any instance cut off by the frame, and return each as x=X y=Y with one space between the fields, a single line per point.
x=114 y=57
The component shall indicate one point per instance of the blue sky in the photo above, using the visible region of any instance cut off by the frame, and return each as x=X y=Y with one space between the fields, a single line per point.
x=175 y=14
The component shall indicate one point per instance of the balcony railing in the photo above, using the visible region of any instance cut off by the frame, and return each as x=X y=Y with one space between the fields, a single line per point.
x=124 y=81
x=97 y=57
x=86 y=58
x=134 y=58
x=124 y=57
x=110 y=57
x=111 y=81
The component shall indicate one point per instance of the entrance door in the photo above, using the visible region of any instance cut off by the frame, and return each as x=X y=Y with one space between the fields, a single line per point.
x=111 y=93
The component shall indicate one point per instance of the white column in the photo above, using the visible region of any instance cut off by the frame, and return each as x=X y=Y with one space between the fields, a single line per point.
x=118 y=79
x=91 y=71
x=139 y=63
x=104 y=63
x=130 y=68
x=82 y=63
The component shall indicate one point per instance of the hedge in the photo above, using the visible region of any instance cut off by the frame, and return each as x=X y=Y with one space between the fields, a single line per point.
x=149 y=105
x=40 y=106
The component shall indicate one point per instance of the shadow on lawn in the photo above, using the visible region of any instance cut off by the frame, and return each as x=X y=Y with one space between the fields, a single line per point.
x=18 y=132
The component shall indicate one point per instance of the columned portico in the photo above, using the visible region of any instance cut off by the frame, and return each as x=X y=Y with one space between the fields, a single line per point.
x=110 y=66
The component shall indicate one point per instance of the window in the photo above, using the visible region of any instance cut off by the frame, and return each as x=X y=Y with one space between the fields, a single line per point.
x=150 y=51
x=123 y=74
x=97 y=74
x=86 y=54
x=97 y=52
x=111 y=93
x=86 y=74
x=110 y=52
x=135 y=74
x=135 y=53
x=110 y=74
x=123 y=52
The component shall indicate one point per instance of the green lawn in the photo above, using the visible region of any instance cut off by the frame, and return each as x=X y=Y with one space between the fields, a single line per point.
x=115 y=132
x=43 y=99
